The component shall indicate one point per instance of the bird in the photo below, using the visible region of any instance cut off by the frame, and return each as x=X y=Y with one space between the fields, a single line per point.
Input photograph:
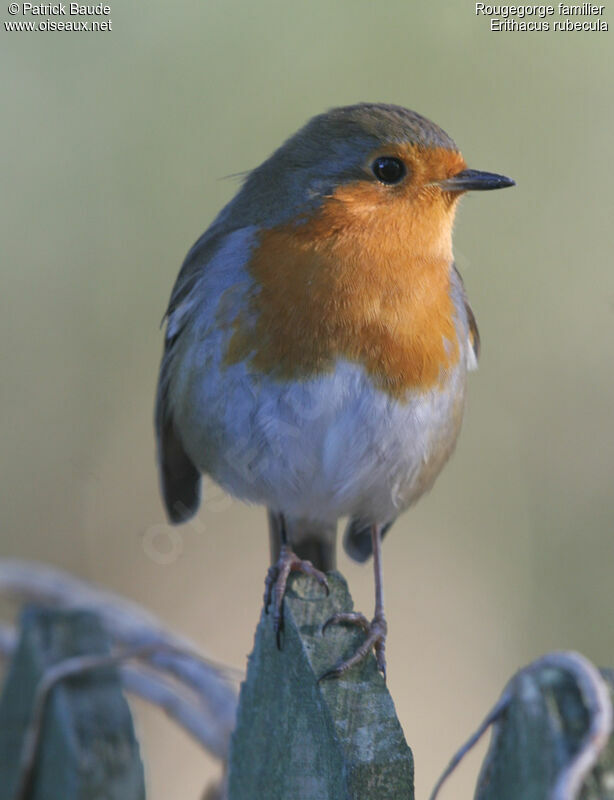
x=318 y=339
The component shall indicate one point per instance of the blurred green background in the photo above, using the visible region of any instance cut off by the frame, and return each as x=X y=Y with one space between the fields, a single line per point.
x=113 y=150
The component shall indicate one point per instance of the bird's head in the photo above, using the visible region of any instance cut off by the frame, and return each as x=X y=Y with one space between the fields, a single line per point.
x=377 y=165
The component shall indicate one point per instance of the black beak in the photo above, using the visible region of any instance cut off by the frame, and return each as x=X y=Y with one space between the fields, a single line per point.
x=474 y=180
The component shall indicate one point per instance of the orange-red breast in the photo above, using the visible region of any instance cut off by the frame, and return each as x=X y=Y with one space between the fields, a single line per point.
x=318 y=341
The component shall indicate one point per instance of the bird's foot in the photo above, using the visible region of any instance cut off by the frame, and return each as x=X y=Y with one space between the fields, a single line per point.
x=276 y=580
x=376 y=631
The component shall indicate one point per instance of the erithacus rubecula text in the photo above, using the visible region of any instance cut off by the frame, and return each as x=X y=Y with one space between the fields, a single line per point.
x=318 y=341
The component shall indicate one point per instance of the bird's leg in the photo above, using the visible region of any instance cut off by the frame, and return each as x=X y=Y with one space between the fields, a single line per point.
x=376 y=629
x=277 y=578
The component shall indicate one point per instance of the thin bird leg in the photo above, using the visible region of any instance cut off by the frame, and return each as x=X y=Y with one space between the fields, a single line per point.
x=277 y=579
x=376 y=630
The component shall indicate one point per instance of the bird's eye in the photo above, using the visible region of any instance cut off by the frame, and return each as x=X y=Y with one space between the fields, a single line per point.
x=388 y=169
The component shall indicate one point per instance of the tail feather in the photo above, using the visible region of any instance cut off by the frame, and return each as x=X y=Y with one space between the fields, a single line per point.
x=179 y=478
x=357 y=538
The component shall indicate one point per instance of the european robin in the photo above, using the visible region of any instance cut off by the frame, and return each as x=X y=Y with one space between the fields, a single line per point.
x=318 y=341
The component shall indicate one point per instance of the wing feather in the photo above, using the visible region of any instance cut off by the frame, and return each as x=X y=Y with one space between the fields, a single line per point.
x=180 y=480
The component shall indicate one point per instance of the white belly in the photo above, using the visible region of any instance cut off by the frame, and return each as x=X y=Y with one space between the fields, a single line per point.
x=323 y=448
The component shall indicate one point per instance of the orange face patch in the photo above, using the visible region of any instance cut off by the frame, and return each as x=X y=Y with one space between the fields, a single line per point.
x=366 y=279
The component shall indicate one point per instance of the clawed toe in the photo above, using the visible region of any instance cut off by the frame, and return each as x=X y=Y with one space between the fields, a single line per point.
x=376 y=638
x=276 y=582
x=351 y=617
